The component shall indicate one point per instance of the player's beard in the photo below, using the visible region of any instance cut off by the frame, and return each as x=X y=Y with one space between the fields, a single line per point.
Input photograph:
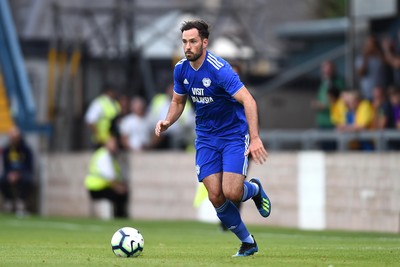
x=194 y=56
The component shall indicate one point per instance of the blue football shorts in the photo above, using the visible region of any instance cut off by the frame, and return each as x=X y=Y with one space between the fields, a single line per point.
x=221 y=154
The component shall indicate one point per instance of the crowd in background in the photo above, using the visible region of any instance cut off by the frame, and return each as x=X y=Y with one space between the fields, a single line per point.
x=132 y=121
x=374 y=104
x=121 y=123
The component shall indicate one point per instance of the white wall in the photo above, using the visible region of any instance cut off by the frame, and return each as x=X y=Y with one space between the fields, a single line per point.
x=312 y=190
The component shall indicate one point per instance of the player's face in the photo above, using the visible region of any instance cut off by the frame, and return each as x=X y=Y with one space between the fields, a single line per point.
x=193 y=45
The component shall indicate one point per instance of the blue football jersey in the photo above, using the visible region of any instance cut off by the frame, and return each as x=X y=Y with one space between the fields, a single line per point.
x=211 y=89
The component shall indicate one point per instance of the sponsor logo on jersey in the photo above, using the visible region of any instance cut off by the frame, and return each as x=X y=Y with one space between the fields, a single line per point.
x=185 y=81
x=198 y=96
x=202 y=99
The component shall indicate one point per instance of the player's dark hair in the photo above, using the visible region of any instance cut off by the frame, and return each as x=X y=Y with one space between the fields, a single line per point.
x=200 y=25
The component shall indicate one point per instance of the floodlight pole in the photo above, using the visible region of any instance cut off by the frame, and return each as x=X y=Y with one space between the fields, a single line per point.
x=350 y=75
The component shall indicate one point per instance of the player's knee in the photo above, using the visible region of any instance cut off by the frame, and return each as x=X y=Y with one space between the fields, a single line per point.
x=234 y=196
x=217 y=199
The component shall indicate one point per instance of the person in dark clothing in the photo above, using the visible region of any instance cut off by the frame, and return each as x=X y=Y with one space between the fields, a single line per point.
x=17 y=179
x=383 y=115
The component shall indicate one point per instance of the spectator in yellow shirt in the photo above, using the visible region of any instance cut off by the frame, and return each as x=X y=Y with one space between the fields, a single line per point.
x=359 y=113
x=359 y=117
x=337 y=107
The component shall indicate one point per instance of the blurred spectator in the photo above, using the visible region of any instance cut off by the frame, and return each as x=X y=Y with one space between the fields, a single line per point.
x=383 y=115
x=371 y=68
x=322 y=105
x=359 y=116
x=17 y=180
x=100 y=114
x=124 y=103
x=337 y=106
x=392 y=57
x=135 y=129
x=181 y=134
x=329 y=79
x=394 y=96
x=359 y=113
x=104 y=179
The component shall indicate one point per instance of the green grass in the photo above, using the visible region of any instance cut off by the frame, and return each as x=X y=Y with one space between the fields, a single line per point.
x=38 y=241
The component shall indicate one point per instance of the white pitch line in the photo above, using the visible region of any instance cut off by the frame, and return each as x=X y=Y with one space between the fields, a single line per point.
x=54 y=225
x=338 y=238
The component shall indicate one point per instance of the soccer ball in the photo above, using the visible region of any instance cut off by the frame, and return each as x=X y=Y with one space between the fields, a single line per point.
x=127 y=242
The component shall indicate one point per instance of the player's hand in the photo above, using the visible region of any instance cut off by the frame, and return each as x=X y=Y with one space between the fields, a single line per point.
x=161 y=126
x=257 y=151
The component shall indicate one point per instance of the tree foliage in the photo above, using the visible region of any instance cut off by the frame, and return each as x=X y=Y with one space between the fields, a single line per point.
x=330 y=8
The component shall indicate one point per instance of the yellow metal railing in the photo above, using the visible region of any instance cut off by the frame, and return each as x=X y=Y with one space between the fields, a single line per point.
x=6 y=121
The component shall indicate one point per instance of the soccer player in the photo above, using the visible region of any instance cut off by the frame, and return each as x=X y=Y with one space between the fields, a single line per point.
x=226 y=129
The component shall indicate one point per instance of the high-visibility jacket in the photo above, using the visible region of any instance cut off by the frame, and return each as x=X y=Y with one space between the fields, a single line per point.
x=94 y=181
x=111 y=109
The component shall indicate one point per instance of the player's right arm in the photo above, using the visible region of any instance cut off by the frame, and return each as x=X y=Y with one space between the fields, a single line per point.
x=174 y=112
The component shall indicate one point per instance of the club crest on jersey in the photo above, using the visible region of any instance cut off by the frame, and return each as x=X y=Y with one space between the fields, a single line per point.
x=206 y=82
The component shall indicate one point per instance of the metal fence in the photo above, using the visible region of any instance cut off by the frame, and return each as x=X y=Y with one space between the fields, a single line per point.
x=382 y=140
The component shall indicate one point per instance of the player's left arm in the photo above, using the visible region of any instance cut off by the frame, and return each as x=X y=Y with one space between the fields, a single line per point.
x=256 y=147
x=175 y=110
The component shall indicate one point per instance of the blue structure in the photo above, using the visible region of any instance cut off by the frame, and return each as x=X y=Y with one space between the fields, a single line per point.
x=15 y=77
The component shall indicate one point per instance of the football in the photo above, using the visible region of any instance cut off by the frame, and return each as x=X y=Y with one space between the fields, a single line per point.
x=127 y=242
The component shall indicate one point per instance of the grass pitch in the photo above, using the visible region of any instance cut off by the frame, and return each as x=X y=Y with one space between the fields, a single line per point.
x=38 y=241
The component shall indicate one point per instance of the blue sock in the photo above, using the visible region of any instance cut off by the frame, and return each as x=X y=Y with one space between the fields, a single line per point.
x=230 y=217
x=249 y=190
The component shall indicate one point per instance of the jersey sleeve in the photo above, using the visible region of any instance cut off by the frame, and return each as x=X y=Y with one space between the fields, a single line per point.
x=229 y=80
x=178 y=83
